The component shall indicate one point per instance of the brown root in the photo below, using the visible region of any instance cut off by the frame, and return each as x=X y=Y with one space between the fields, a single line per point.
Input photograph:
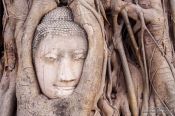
x=95 y=55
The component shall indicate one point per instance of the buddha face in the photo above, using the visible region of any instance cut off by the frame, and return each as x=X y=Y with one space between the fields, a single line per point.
x=59 y=61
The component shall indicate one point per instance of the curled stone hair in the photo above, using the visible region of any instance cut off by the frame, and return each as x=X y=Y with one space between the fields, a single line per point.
x=57 y=22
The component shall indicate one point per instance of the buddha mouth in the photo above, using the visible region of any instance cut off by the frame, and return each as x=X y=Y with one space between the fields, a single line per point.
x=64 y=88
x=65 y=85
x=63 y=92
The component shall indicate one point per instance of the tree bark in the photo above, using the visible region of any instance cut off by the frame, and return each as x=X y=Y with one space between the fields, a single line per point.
x=128 y=69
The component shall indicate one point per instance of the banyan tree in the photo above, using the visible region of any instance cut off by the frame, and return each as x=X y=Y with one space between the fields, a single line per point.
x=87 y=58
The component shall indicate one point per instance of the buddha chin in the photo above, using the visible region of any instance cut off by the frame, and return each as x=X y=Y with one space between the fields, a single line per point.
x=64 y=92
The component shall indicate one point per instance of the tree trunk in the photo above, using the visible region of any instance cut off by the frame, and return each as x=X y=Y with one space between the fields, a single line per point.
x=128 y=70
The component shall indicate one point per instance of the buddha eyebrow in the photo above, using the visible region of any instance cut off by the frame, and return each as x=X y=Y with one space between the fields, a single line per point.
x=80 y=51
x=53 y=53
x=48 y=53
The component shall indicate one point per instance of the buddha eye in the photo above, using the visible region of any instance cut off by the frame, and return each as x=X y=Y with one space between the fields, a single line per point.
x=79 y=56
x=50 y=57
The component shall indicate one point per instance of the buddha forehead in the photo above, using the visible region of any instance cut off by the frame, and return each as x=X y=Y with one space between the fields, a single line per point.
x=55 y=43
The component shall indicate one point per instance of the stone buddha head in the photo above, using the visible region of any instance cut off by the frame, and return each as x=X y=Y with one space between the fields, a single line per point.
x=59 y=52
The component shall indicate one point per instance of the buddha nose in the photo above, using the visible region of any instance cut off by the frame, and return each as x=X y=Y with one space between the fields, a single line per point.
x=65 y=72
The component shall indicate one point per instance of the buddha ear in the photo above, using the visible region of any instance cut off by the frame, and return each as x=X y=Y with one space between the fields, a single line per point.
x=86 y=15
x=26 y=75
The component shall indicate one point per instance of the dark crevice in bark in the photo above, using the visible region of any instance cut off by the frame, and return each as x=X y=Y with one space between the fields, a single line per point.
x=1 y=14
x=62 y=108
x=1 y=29
x=63 y=3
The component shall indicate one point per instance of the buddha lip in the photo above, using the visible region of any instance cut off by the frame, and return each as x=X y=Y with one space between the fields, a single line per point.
x=65 y=88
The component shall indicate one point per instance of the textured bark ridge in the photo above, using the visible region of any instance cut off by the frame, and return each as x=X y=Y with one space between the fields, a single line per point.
x=129 y=67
